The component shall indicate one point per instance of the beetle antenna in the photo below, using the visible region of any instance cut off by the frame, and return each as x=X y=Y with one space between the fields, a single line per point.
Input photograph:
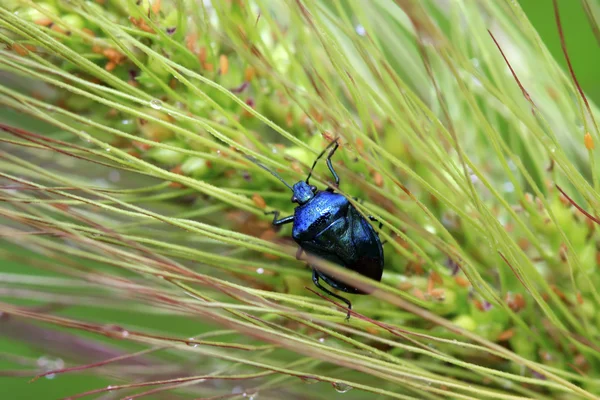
x=333 y=142
x=255 y=161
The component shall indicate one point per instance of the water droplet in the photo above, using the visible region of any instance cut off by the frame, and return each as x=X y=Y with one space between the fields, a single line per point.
x=430 y=229
x=237 y=390
x=253 y=396
x=341 y=387
x=309 y=380
x=48 y=364
x=110 y=387
x=508 y=187
x=156 y=104
x=108 y=149
x=114 y=176
x=116 y=331
x=86 y=136
x=360 y=30
x=474 y=178
x=191 y=344
x=260 y=271
x=322 y=340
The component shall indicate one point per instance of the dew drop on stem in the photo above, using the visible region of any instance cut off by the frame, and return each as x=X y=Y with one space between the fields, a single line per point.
x=341 y=387
x=156 y=104
x=116 y=331
x=309 y=380
x=86 y=136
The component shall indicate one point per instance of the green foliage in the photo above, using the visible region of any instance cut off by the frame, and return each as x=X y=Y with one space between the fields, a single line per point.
x=136 y=243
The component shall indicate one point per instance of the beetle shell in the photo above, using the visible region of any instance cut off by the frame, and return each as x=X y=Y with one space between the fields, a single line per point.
x=330 y=227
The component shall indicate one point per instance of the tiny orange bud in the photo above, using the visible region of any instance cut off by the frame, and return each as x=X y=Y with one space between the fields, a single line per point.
x=523 y=243
x=430 y=284
x=89 y=32
x=378 y=179
x=479 y=305
x=44 y=21
x=190 y=42
x=268 y=235
x=156 y=6
x=249 y=74
x=202 y=55
x=372 y=330
x=271 y=256
x=360 y=146
x=259 y=201
x=58 y=29
x=223 y=64
x=436 y=278
x=589 y=141
x=507 y=334
x=463 y=282
x=208 y=67
x=20 y=49
x=437 y=294
x=418 y=293
x=110 y=66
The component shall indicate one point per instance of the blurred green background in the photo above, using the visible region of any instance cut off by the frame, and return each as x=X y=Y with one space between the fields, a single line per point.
x=581 y=43
x=583 y=49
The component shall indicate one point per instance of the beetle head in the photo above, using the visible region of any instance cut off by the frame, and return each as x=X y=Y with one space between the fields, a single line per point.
x=303 y=192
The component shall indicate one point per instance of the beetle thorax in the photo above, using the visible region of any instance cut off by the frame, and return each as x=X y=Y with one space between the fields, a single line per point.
x=303 y=192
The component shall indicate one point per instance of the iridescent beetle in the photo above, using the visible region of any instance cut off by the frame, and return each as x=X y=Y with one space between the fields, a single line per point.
x=328 y=226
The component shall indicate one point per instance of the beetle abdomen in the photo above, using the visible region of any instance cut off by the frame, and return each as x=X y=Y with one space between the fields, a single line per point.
x=349 y=241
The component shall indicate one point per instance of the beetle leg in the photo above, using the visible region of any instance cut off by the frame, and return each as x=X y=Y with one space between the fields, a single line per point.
x=372 y=218
x=315 y=278
x=278 y=222
x=299 y=253
x=334 y=142
x=330 y=166
x=392 y=234
x=359 y=201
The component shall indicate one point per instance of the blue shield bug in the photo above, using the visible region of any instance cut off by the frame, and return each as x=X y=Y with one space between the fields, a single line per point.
x=328 y=226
